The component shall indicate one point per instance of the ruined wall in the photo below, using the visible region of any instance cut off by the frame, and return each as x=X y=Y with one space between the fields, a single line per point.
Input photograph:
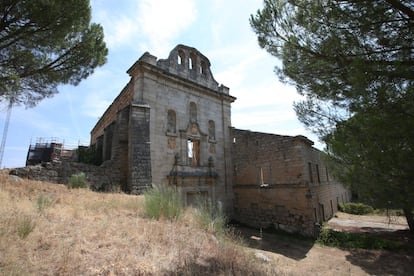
x=99 y=178
x=110 y=115
x=281 y=182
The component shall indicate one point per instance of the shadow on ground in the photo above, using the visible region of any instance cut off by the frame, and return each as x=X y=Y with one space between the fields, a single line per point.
x=291 y=246
x=387 y=262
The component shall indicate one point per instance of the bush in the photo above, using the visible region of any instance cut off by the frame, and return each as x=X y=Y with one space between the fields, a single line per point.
x=355 y=208
x=162 y=202
x=347 y=240
x=77 y=181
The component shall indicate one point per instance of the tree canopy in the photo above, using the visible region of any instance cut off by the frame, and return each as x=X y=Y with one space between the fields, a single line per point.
x=44 y=43
x=354 y=63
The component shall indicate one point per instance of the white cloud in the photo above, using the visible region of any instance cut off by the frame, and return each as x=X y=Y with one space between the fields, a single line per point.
x=161 y=21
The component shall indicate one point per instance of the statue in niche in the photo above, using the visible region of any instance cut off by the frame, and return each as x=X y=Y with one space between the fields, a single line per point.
x=171 y=143
x=212 y=148
x=194 y=129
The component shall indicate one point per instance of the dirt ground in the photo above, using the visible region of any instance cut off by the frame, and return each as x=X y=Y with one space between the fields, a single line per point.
x=304 y=257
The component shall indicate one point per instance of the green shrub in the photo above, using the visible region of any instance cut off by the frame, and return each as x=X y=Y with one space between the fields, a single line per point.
x=77 y=181
x=25 y=226
x=355 y=208
x=348 y=240
x=162 y=202
x=43 y=202
x=210 y=216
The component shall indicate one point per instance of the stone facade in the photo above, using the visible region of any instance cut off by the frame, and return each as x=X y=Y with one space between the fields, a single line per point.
x=172 y=129
x=171 y=126
x=282 y=182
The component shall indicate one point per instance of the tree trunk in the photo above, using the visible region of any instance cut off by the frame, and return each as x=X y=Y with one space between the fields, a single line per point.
x=410 y=218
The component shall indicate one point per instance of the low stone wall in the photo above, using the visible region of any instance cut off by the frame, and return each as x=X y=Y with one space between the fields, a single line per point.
x=99 y=178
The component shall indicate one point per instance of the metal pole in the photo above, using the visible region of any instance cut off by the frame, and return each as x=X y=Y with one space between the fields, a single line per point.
x=6 y=127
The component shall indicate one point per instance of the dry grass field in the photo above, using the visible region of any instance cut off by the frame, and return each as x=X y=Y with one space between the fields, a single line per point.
x=48 y=229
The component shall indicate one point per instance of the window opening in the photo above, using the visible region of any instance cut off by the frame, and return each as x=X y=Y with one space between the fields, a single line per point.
x=310 y=172
x=180 y=58
x=190 y=63
x=193 y=150
x=202 y=67
x=317 y=173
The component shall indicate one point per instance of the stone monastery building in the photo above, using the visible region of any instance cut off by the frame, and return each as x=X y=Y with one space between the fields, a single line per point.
x=171 y=125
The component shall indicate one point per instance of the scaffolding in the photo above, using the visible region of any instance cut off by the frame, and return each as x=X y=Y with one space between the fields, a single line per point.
x=49 y=149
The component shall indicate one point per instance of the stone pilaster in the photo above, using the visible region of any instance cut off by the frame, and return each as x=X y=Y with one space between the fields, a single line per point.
x=140 y=173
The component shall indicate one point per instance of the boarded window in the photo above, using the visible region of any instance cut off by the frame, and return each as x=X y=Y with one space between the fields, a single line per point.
x=211 y=130
x=310 y=172
x=317 y=173
x=171 y=121
x=193 y=112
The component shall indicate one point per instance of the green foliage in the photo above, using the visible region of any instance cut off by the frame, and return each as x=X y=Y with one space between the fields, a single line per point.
x=44 y=44
x=355 y=208
x=43 y=202
x=25 y=226
x=353 y=62
x=210 y=216
x=162 y=202
x=347 y=240
x=89 y=155
x=77 y=181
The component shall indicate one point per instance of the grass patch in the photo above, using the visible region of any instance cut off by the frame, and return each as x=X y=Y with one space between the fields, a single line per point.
x=162 y=202
x=210 y=217
x=25 y=226
x=355 y=208
x=348 y=240
x=43 y=202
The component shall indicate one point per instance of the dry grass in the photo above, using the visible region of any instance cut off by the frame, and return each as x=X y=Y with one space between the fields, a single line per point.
x=47 y=229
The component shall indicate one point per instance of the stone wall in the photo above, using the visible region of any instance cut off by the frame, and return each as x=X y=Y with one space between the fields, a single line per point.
x=281 y=182
x=102 y=178
x=121 y=101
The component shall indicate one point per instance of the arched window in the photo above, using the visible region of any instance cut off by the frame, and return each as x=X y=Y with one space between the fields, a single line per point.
x=193 y=112
x=192 y=61
x=202 y=67
x=180 y=57
x=171 y=121
x=211 y=130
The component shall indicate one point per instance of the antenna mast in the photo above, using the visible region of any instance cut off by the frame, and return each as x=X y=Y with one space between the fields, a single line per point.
x=6 y=128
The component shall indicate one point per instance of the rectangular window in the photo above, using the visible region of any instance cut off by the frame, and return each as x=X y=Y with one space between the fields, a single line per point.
x=310 y=172
x=193 y=150
x=317 y=173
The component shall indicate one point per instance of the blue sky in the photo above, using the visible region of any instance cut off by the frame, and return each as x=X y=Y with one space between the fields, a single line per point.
x=217 y=28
